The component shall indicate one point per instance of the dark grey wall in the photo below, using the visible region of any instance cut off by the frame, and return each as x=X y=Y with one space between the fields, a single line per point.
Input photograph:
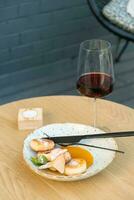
x=38 y=37
x=34 y=32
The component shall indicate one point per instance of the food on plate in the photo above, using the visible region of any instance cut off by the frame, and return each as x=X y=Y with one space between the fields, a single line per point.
x=54 y=153
x=78 y=152
x=40 y=160
x=57 y=164
x=71 y=160
x=76 y=166
x=42 y=145
x=67 y=156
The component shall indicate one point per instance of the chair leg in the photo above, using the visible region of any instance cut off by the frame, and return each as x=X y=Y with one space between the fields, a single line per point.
x=118 y=55
x=117 y=46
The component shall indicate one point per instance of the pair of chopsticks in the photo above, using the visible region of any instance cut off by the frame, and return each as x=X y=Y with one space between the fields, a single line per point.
x=102 y=135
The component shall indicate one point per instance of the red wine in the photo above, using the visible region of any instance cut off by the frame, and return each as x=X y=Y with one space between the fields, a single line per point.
x=95 y=84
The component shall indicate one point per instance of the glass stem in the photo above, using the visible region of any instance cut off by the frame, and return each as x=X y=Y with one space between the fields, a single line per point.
x=95 y=113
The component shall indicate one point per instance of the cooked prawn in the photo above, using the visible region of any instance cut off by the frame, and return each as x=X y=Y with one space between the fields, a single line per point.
x=42 y=144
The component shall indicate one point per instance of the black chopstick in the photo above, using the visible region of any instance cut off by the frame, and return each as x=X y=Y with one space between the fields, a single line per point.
x=77 y=138
x=88 y=145
x=93 y=146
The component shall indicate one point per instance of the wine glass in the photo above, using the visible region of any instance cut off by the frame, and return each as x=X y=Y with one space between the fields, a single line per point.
x=95 y=70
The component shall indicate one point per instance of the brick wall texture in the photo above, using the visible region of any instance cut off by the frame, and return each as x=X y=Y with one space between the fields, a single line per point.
x=39 y=44
x=36 y=32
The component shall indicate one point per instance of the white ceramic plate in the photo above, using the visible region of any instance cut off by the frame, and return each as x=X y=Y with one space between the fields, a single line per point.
x=102 y=158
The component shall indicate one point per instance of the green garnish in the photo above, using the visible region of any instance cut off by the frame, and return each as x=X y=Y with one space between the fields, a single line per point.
x=35 y=161
x=40 y=160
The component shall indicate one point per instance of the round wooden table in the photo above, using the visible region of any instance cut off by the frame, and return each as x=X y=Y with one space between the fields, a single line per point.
x=17 y=182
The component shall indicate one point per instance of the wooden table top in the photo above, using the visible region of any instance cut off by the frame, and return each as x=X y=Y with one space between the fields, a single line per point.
x=17 y=182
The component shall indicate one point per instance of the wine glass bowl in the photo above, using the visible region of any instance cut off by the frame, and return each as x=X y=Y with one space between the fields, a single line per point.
x=95 y=84
x=95 y=76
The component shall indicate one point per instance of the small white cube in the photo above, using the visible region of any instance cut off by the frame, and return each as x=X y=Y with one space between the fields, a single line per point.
x=30 y=118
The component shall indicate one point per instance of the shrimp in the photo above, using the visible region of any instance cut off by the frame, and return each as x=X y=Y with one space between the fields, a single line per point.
x=42 y=145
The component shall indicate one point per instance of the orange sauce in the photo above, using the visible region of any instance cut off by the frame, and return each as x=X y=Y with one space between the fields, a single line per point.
x=78 y=152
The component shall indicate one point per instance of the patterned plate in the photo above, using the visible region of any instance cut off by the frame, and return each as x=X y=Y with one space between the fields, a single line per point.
x=102 y=158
